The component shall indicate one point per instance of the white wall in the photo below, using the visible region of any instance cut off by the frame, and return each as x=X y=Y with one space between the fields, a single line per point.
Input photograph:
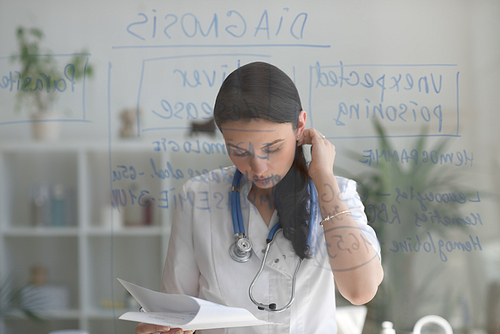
x=360 y=32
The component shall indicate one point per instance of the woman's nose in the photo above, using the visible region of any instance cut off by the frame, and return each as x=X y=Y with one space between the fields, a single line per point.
x=258 y=165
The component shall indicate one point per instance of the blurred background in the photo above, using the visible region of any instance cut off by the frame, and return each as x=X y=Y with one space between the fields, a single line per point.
x=106 y=111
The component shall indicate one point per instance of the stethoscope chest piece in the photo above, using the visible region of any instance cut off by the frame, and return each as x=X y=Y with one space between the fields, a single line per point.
x=241 y=249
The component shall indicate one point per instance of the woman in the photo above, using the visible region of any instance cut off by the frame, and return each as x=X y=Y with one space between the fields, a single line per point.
x=259 y=113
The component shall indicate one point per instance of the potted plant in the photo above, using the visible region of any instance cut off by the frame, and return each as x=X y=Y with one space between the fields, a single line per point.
x=11 y=300
x=39 y=69
x=400 y=298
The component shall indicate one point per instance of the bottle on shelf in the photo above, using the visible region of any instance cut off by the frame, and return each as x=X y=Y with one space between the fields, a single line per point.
x=387 y=328
x=58 y=206
x=40 y=204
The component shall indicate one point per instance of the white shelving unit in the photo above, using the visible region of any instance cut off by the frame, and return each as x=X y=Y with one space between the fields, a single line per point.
x=86 y=256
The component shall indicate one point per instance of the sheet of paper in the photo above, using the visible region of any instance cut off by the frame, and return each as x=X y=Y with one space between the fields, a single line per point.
x=186 y=312
x=161 y=302
x=174 y=320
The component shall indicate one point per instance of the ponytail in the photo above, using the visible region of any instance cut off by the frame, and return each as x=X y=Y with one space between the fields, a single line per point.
x=291 y=197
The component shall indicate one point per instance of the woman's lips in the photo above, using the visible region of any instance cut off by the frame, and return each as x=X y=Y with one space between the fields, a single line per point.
x=263 y=180
x=266 y=180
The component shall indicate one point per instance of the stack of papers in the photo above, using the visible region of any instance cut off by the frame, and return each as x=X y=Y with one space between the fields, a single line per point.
x=186 y=312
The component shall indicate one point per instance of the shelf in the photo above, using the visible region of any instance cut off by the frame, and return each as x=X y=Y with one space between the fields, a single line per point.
x=61 y=314
x=22 y=325
x=106 y=326
x=100 y=313
x=48 y=315
x=72 y=146
x=84 y=254
x=41 y=232
x=33 y=177
x=134 y=258
x=125 y=231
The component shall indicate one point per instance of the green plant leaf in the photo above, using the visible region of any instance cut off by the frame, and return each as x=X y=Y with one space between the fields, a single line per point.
x=383 y=177
x=33 y=65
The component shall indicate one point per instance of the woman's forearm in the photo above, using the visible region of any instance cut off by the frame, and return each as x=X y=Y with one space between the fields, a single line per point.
x=353 y=260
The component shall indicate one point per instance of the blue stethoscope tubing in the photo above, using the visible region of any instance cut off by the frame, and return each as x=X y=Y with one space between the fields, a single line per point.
x=236 y=205
x=240 y=251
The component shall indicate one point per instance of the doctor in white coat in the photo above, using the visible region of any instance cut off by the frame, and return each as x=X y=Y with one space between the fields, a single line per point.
x=320 y=217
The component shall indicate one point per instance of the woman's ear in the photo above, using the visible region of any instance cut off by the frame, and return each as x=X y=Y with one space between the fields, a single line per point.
x=301 y=124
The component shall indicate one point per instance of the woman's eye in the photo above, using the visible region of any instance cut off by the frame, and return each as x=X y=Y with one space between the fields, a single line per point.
x=239 y=153
x=268 y=151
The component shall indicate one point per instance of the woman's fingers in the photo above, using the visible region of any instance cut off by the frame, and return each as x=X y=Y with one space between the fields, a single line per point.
x=309 y=136
x=144 y=328
x=322 y=152
x=179 y=331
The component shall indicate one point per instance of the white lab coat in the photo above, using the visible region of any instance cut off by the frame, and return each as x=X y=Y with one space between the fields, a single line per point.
x=198 y=261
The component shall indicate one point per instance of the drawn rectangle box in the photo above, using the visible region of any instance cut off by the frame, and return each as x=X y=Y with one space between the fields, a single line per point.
x=405 y=99
x=177 y=90
x=70 y=93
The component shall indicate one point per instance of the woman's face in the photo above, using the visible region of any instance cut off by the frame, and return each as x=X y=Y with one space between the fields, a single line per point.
x=262 y=150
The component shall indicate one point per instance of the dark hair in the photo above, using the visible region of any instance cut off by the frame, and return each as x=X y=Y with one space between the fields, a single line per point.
x=262 y=91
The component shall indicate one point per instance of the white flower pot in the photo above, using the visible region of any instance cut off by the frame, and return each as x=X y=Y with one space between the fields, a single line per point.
x=45 y=126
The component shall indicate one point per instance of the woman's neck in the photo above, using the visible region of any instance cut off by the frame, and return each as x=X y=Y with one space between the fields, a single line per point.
x=259 y=192
x=262 y=199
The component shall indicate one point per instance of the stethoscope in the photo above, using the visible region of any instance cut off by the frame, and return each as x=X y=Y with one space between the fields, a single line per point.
x=241 y=249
